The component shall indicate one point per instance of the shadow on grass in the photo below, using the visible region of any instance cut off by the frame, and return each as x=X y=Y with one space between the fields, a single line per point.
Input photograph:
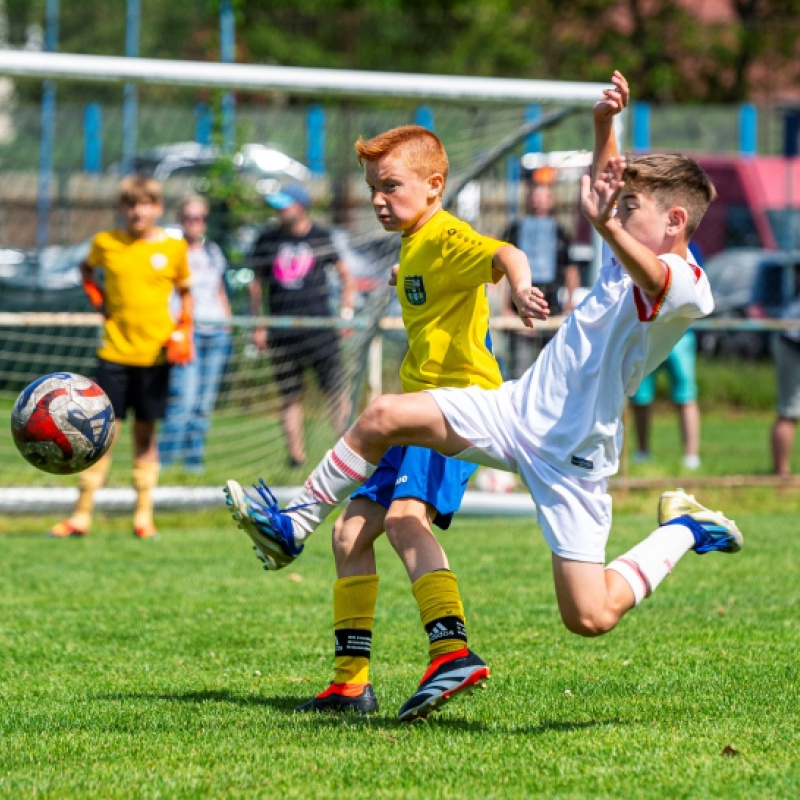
x=287 y=705
x=220 y=696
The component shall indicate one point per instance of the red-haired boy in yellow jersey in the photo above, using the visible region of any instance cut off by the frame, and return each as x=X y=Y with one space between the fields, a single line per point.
x=141 y=267
x=441 y=285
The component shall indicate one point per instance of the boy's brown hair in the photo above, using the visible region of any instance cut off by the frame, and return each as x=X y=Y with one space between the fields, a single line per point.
x=137 y=188
x=418 y=148
x=672 y=179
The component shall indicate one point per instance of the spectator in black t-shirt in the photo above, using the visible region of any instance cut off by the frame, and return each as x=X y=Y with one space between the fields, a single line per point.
x=289 y=264
x=546 y=244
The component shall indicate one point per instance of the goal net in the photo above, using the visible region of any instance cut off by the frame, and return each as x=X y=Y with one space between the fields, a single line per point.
x=46 y=323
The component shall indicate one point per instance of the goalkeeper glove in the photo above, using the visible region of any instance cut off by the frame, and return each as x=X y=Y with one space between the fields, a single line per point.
x=94 y=293
x=180 y=345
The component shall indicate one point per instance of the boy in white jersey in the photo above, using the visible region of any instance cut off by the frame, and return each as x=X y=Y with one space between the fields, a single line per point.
x=559 y=426
x=441 y=282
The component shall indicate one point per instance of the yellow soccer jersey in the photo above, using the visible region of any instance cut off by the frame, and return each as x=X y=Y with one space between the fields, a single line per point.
x=139 y=276
x=444 y=267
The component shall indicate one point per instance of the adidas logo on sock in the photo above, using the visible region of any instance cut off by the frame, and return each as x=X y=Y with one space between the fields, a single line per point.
x=438 y=631
x=446 y=628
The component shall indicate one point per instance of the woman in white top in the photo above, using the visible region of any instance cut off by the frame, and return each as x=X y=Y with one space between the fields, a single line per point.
x=194 y=387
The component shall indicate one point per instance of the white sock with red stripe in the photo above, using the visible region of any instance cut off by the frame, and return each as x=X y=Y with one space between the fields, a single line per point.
x=336 y=477
x=647 y=564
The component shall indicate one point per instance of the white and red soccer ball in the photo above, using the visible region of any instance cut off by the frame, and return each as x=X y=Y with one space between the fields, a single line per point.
x=62 y=423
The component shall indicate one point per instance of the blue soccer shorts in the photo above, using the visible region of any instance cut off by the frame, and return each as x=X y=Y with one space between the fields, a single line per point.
x=416 y=472
x=680 y=366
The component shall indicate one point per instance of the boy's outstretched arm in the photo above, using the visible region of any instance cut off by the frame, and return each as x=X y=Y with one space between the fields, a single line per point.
x=614 y=100
x=529 y=300
x=598 y=200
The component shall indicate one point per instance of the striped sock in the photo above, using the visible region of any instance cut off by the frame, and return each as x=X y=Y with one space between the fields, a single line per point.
x=336 y=477
x=650 y=561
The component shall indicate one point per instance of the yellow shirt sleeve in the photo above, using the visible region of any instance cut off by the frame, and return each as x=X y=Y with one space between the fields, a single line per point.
x=468 y=256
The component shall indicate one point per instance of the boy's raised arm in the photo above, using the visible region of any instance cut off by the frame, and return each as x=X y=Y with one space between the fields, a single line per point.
x=614 y=100
x=599 y=193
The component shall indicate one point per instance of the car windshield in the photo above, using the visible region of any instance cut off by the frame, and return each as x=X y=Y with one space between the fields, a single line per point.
x=732 y=272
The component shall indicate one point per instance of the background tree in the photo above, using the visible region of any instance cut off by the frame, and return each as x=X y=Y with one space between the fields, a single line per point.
x=668 y=49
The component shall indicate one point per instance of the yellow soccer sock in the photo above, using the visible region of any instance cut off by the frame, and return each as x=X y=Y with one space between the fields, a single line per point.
x=145 y=479
x=90 y=481
x=354 y=601
x=441 y=612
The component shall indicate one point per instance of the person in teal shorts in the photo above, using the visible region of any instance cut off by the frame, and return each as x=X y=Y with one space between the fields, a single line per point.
x=680 y=366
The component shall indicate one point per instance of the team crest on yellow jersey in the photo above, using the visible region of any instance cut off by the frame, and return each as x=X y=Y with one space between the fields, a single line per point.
x=415 y=290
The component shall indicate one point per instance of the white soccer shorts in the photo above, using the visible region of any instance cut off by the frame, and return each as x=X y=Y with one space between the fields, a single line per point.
x=574 y=514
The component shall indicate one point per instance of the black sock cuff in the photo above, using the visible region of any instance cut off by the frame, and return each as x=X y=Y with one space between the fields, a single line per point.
x=353 y=642
x=446 y=628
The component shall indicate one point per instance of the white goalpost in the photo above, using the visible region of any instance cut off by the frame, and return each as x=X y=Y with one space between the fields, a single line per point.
x=253 y=77
x=481 y=119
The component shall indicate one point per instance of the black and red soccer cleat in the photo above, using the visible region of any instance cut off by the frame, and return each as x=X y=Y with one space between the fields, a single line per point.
x=358 y=698
x=447 y=676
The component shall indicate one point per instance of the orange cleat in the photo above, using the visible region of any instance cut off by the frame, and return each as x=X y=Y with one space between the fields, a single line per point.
x=147 y=531
x=65 y=529
x=358 y=698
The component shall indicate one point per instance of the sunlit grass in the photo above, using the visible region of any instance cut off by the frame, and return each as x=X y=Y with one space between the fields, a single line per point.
x=172 y=668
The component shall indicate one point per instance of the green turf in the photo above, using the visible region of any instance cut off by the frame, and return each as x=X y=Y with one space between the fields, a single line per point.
x=170 y=669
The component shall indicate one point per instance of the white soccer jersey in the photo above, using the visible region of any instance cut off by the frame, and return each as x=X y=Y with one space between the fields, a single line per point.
x=568 y=406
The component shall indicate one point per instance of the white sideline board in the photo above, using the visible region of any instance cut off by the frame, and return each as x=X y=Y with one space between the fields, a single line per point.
x=175 y=498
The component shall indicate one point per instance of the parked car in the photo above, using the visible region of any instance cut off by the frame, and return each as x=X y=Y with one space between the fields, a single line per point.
x=749 y=283
x=46 y=280
x=236 y=197
x=266 y=164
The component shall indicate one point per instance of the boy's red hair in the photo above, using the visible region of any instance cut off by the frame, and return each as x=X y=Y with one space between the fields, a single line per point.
x=418 y=148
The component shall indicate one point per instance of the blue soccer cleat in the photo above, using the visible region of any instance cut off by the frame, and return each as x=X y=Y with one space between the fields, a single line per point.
x=270 y=529
x=711 y=529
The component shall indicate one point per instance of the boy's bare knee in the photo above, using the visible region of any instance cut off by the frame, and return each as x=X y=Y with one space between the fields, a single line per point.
x=376 y=418
x=398 y=528
x=588 y=624
x=406 y=518
x=394 y=527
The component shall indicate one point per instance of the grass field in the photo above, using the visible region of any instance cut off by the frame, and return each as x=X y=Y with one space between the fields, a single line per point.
x=170 y=669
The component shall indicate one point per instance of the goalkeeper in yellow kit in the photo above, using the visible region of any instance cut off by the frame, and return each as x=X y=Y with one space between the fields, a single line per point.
x=141 y=266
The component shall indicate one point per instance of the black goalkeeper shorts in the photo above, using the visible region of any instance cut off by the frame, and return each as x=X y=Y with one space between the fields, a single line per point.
x=143 y=389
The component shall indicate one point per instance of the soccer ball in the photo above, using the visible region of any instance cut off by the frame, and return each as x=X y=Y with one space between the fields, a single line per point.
x=489 y=479
x=62 y=423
